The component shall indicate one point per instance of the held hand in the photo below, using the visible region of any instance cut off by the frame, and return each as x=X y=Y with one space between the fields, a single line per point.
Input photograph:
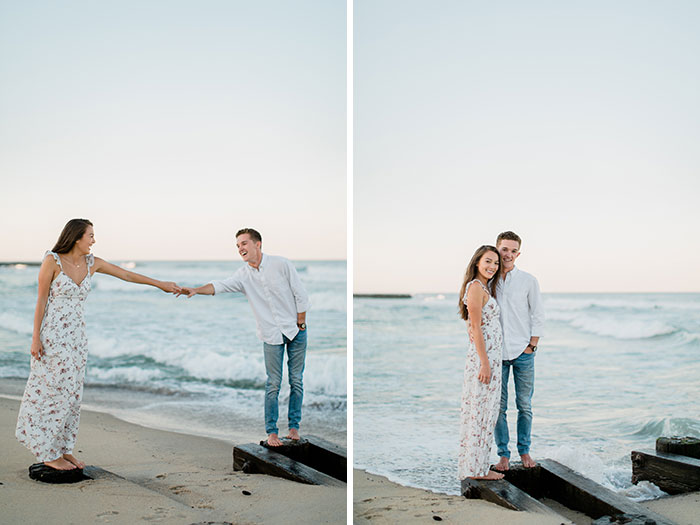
x=485 y=374
x=37 y=350
x=169 y=287
x=189 y=292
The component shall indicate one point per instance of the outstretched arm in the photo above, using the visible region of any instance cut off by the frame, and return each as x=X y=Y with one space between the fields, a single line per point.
x=207 y=289
x=103 y=266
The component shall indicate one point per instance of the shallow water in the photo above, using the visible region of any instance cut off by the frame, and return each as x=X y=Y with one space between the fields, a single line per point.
x=613 y=372
x=193 y=365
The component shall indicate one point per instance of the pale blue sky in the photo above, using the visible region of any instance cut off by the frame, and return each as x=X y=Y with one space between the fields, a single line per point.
x=575 y=124
x=171 y=124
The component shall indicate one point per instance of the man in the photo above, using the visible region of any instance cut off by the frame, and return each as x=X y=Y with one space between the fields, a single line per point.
x=522 y=318
x=279 y=303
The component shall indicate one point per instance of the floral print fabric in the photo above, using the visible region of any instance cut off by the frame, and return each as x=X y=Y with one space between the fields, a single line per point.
x=50 y=411
x=480 y=402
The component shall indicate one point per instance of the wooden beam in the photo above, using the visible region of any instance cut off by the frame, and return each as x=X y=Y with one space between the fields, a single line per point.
x=584 y=495
x=317 y=453
x=505 y=494
x=684 y=446
x=256 y=459
x=672 y=473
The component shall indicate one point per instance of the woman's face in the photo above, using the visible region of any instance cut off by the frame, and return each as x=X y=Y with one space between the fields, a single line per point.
x=86 y=241
x=488 y=265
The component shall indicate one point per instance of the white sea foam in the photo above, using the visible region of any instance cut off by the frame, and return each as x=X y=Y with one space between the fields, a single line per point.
x=326 y=374
x=213 y=366
x=613 y=326
x=16 y=323
x=128 y=374
x=583 y=462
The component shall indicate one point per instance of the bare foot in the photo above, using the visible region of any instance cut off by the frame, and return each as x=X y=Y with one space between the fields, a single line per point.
x=60 y=464
x=71 y=458
x=490 y=476
x=502 y=465
x=293 y=434
x=273 y=440
x=528 y=462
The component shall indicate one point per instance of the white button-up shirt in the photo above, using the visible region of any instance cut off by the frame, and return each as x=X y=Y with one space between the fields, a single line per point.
x=275 y=294
x=522 y=313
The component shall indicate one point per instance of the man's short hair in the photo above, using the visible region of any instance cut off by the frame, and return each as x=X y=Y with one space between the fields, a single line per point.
x=254 y=234
x=508 y=236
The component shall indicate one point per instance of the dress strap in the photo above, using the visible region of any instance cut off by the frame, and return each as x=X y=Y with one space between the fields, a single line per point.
x=464 y=299
x=90 y=260
x=56 y=257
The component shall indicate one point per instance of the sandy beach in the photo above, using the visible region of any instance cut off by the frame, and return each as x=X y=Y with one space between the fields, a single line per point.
x=378 y=501
x=153 y=476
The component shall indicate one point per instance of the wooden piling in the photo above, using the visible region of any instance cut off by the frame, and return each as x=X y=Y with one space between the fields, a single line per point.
x=672 y=473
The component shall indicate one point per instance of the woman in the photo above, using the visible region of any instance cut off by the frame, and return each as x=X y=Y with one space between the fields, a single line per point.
x=48 y=417
x=481 y=390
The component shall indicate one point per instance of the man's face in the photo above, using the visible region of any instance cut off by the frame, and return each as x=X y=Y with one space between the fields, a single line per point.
x=509 y=252
x=249 y=250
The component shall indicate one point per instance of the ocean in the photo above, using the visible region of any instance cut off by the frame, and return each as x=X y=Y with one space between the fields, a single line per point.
x=188 y=365
x=613 y=373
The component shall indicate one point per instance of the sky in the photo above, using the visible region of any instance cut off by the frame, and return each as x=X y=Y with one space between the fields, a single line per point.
x=172 y=124
x=574 y=124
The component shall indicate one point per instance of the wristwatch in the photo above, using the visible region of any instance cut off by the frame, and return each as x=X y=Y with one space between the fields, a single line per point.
x=302 y=326
x=534 y=348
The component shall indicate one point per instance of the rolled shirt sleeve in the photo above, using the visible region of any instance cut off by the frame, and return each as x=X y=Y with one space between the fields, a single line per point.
x=536 y=310
x=301 y=298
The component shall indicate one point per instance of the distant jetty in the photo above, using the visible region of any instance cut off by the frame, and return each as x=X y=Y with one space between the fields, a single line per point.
x=20 y=264
x=382 y=295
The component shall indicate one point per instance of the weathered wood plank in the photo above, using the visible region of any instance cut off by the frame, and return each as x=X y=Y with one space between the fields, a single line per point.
x=505 y=494
x=256 y=459
x=317 y=453
x=327 y=457
x=684 y=446
x=584 y=495
x=526 y=479
x=672 y=473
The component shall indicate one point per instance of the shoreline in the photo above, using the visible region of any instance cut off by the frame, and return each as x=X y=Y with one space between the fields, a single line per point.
x=167 y=413
x=377 y=500
x=157 y=476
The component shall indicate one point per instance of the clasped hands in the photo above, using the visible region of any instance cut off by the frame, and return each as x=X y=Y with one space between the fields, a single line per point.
x=174 y=288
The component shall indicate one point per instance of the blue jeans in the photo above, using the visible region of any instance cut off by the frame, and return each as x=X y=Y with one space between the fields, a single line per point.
x=274 y=355
x=524 y=378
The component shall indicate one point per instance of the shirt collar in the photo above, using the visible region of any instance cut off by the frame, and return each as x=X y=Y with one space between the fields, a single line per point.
x=263 y=260
x=513 y=272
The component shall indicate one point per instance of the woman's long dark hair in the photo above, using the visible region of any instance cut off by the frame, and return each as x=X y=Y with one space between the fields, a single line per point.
x=72 y=232
x=472 y=272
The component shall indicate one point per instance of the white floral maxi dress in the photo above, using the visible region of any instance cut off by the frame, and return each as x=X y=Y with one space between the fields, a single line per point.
x=480 y=402
x=50 y=412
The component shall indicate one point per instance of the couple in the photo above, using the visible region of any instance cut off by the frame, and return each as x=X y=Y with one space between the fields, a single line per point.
x=49 y=415
x=503 y=310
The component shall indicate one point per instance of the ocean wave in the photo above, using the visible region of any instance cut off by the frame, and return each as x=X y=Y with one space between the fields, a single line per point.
x=668 y=426
x=16 y=323
x=130 y=374
x=614 y=326
x=138 y=362
x=632 y=303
